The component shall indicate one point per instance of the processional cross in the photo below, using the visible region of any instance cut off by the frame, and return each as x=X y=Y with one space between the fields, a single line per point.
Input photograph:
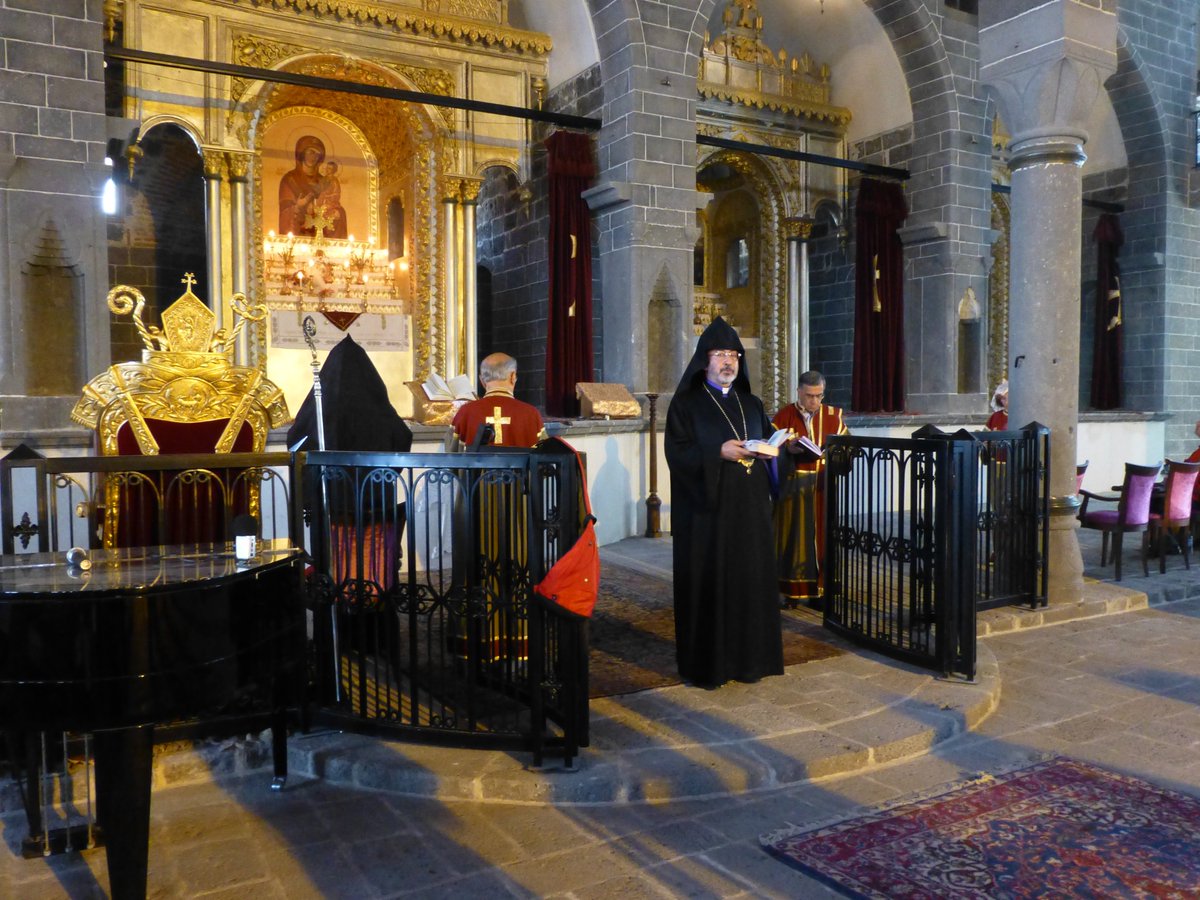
x=498 y=420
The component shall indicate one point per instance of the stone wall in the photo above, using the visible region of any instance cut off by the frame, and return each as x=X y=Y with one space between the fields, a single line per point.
x=512 y=228
x=52 y=144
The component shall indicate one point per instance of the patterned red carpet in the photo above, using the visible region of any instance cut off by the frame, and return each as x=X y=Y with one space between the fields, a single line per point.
x=632 y=635
x=1060 y=828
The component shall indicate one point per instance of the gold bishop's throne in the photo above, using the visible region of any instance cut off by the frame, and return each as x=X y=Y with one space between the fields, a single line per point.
x=185 y=397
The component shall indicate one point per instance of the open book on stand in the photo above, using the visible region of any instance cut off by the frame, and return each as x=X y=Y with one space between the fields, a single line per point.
x=457 y=388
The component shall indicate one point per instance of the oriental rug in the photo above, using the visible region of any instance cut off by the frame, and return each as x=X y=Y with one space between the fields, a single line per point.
x=1059 y=828
x=632 y=635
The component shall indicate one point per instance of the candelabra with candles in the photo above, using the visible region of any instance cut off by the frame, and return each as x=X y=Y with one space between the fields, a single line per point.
x=281 y=254
x=333 y=274
x=361 y=258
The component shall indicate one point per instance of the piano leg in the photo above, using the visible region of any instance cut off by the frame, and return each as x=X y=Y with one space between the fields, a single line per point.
x=279 y=749
x=123 y=773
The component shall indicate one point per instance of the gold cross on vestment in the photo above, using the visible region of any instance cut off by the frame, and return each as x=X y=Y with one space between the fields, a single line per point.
x=876 y=306
x=498 y=421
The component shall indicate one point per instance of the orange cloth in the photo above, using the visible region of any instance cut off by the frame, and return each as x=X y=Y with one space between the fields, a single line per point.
x=517 y=423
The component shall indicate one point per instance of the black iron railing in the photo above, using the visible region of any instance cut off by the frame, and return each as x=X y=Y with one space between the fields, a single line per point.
x=925 y=531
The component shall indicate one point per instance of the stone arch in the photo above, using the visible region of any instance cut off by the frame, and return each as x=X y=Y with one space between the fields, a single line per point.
x=929 y=76
x=158 y=233
x=1140 y=114
x=188 y=128
x=1132 y=97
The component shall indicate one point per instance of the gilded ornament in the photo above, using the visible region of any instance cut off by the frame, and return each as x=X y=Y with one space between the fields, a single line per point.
x=455 y=25
x=186 y=375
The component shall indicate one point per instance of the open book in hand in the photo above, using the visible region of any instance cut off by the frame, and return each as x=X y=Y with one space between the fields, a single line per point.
x=803 y=441
x=770 y=447
x=457 y=388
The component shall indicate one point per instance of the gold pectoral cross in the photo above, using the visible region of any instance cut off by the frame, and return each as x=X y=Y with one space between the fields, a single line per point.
x=876 y=306
x=1115 y=294
x=497 y=420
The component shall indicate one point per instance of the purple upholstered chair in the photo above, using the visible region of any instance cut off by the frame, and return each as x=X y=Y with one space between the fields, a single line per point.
x=1131 y=515
x=1176 y=515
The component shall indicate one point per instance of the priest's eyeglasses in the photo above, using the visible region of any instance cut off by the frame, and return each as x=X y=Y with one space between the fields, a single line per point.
x=723 y=354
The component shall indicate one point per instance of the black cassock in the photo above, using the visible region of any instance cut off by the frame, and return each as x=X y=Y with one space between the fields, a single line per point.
x=727 y=614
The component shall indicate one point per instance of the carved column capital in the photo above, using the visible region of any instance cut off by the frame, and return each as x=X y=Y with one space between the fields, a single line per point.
x=797 y=228
x=1047 y=67
x=238 y=165
x=468 y=189
x=215 y=163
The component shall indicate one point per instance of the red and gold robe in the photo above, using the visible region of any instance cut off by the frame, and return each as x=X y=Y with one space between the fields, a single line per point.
x=501 y=634
x=800 y=511
x=517 y=423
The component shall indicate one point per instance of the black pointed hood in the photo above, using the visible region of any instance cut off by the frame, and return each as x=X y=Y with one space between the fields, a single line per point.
x=357 y=412
x=717 y=336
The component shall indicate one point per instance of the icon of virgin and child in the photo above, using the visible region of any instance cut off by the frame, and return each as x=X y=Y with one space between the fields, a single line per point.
x=311 y=193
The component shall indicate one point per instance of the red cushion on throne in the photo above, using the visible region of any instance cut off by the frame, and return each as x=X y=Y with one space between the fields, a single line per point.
x=196 y=505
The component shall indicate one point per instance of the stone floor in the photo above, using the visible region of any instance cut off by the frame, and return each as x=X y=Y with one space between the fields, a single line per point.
x=680 y=783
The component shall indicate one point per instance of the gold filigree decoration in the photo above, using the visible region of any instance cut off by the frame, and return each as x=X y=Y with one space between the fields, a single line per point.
x=186 y=375
x=486 y=10
x=446 y=27
x=739 y=67
x=251 y=50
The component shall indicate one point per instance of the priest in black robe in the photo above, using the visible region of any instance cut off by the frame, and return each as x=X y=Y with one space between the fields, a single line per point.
x=358 y=416
x=727 y=613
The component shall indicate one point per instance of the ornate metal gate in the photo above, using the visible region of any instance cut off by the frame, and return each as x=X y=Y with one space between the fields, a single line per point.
x=924 y=531
x=425 y=620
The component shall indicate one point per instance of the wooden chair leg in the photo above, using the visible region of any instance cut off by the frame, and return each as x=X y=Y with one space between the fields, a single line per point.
x=1117 y=541
x=1185 y=545
x=1145 y=547
x=1161 y=535
x=1103 y=549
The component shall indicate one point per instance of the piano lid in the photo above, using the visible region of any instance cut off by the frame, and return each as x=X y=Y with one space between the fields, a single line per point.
x=130 y=569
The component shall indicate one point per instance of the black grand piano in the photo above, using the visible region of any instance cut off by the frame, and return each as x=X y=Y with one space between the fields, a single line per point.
x=120 y=642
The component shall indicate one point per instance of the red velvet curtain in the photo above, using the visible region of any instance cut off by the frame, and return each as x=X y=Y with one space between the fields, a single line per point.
x=878 y=383
x=1109 y=330
x=569 y=332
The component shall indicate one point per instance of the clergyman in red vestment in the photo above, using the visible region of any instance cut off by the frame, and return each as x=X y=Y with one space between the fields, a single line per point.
x=502 y=635
x=516 y=423
x=800 y=511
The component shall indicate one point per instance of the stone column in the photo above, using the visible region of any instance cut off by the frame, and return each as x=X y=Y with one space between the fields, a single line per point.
x=644 y=199
x=797 y=230
x=214 y=173
x=1047 y=66
x=239 y=164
